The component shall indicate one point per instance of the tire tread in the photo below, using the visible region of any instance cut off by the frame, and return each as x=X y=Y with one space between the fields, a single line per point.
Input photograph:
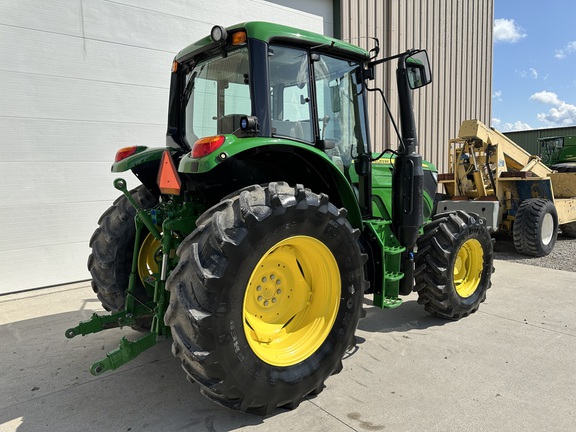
x=196 y=289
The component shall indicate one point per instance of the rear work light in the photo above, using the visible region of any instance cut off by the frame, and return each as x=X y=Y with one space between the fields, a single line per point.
x=205 y=146
x=219 y=35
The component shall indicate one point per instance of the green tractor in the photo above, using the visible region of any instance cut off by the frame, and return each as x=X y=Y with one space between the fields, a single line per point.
x=559 y=153
x=260 y=227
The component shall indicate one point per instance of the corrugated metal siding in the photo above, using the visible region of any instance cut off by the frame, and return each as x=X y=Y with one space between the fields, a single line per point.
x=458 y=37
x=528 y=139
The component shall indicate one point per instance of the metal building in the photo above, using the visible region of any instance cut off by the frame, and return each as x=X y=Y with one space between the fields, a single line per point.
x=528 y=139
x=458 y=37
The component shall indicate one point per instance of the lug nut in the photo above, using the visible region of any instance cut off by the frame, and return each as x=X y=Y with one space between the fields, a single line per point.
x=260 y=298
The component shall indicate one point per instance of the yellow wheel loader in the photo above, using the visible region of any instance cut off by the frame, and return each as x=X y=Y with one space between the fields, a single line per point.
x=492 y=176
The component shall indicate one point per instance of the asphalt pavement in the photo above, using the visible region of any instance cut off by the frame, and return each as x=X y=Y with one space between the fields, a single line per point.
x=508 y=367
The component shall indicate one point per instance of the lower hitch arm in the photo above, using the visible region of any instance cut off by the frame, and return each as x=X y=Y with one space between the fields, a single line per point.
x=126 y=352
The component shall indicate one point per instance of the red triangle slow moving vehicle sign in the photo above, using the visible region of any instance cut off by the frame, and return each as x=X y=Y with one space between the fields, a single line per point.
x=168 y=179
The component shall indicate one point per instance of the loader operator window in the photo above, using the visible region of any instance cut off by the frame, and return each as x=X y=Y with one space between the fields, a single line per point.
x=290 y=94
x=217 y=95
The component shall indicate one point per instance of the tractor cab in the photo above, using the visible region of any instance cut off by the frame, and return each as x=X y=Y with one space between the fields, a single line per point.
x=293 y=87
x=288 y=91
x=276 y=100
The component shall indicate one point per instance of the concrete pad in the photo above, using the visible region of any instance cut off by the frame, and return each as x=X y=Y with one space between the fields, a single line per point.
x=507 y=367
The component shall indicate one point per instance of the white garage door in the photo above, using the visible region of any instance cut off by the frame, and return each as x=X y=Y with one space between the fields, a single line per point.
x=80 y=79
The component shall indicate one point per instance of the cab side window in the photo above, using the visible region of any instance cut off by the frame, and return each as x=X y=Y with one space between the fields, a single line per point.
x=290 y=94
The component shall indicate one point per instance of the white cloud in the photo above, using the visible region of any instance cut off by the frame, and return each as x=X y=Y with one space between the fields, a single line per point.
x=506 y=30
x=497 y=96
x=516 y=126
x=509 y=127
x=530 y=72
x=546 y=97
x=568 y=49
x=561 y=114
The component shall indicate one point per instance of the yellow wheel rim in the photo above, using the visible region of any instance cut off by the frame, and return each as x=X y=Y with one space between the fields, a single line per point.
x=468 y=268
x=291 y=301
x=149 y=259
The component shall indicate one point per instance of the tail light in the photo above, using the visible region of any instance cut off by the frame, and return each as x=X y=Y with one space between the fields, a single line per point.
x=125 y=152
x=205 y=146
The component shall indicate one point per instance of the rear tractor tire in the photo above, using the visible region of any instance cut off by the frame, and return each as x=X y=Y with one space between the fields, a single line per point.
x=266 y=297
x=453 y=264
x=112 y=249
x=535 y=227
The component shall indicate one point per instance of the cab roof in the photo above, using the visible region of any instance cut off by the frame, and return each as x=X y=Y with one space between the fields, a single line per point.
x=269 y=32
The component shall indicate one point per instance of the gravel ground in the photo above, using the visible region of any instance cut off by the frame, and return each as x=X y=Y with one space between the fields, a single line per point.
x=562 y=257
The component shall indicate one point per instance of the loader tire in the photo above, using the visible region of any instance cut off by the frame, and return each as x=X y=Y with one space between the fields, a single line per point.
x=535 y=227
x=569 y=229
x=453 y=264
x=266 y=297
x=112 y=249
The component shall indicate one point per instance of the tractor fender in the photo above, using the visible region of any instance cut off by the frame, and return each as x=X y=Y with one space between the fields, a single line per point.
x=274 y=159
x=143 y=155
x=144 y=163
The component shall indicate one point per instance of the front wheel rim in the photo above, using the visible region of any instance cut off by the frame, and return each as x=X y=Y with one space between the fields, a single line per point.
x=468 y=268
x=291 y=301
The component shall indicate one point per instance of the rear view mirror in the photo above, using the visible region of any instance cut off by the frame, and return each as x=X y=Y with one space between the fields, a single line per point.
x=418 y=70
x=362 y=165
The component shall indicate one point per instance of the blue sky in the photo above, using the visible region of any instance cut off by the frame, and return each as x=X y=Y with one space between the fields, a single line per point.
x=534 y=82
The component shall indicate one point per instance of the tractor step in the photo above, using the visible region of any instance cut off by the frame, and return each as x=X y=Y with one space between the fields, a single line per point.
x=386 y=296
x=389 y=302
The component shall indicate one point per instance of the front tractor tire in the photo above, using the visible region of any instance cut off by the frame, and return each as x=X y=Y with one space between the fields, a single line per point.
x=112 y=250
x=266 y=297
x=453 y=264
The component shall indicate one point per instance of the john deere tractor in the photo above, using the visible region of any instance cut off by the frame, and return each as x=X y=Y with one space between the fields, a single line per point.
x=261 y=225
x=559 y=153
